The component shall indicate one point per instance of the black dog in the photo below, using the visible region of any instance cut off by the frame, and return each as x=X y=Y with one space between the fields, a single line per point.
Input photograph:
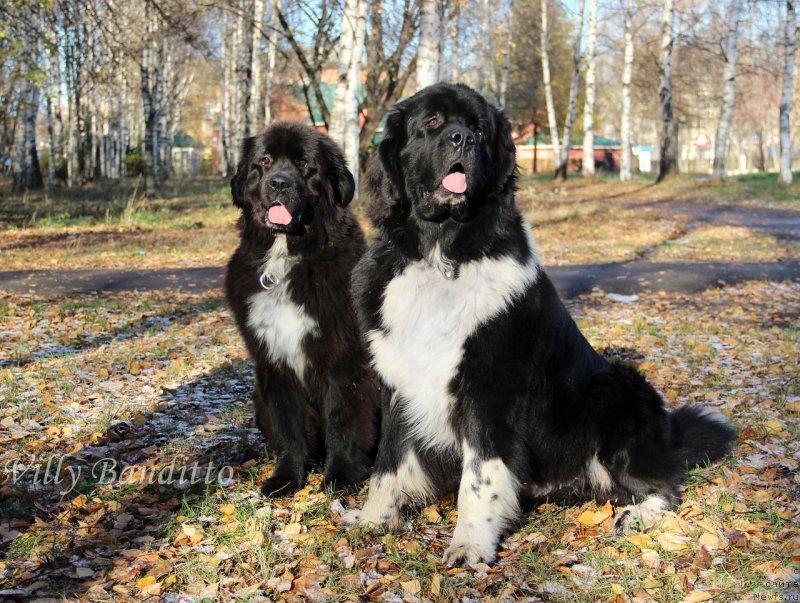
x=288 y=285
x=494 y=388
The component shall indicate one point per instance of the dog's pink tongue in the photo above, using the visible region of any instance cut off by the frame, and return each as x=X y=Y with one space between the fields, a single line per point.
x=278 y=214
x=455 y=182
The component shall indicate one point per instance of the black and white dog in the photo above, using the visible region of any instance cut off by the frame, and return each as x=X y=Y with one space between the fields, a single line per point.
x=288 y=285
x=493 y=389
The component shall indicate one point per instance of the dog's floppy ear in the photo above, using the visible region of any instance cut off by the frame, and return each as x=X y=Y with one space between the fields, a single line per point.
x=242 y=171
x=385 y=177
x=505 y=156
x=341 y=181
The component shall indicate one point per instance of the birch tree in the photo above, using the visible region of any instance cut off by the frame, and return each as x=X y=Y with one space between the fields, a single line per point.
x=728 y=93
x=548 y=88
x=789 y=49
x=668 y=143
x=256 y=111
x=271 y=61
x=428 y=49
x=626 y=160
x=587 y=168
x=507 y=56
x=573 y=95
x=344 y=122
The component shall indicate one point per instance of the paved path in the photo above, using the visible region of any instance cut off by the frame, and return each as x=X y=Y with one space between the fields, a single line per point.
x=624 y=278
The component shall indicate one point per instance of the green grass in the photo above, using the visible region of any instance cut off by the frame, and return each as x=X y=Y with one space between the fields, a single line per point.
x=181 y=204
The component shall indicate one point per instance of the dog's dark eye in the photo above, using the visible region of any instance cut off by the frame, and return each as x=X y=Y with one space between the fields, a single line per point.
x=433 y=122
x=266 y=160
x=479 y=132
x=301 y=163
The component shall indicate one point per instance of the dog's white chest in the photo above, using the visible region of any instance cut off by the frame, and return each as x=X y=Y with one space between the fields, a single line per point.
x=276 y=320
x=427 y=319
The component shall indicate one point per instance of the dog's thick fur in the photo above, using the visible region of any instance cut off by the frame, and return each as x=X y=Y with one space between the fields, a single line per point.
x=315 y=396
x=493 y=389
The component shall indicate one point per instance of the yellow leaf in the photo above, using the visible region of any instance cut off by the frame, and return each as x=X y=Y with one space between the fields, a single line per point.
x=710 y=541
x=431 y=514
x=643 y=541
x=292 y=529
x=143 y=583
x=696 y=596
x=592 y=518
x=194 y=534
x=773 y=426
x=672 y=543
x=411 y=587
x=436 y=585
x=80 y=501
x=139 y=419
x=227 y=509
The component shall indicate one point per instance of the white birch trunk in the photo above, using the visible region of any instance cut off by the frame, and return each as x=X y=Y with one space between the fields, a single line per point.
x=50 y=65
x=668 y=162
x=507 y=57
x=273 y=55
x=343 y=124
x=256 y=100
x=789 y=47
x=573 y=96
x=228 y=152
x=587 y=168
x=728 y=93
x=548 y=88
x=626 y=160
x=455 y=44
x=428 y=49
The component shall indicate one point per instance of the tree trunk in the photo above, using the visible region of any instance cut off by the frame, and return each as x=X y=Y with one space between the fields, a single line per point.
x=668 y=143
x=587 y=168
x=244 y=62
x=428 y=50
x=256 y=100
x=548 y=88
x=573 y=97
x=507 y=57
x=228 y=159
x=455 y=43
x=50 y=64
x=28 y=175
x=344 y=124
x=626 y=160
x=273 y=55
x=728 y=93
x=789 y=48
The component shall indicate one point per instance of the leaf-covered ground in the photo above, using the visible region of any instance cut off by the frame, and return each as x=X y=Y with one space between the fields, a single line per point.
x=142 y=389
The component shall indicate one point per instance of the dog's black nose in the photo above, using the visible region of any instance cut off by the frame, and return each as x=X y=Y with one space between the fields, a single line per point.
x=461 y=136
x=279 y=182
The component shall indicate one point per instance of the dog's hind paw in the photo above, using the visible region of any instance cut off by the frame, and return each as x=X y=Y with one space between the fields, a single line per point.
x=642 y=516
x=280 y=485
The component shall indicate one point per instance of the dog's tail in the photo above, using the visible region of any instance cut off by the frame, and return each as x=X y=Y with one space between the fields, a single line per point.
x=700 y=435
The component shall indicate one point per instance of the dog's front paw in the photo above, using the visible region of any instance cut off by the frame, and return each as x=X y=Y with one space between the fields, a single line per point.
x=461 y=552
x=350 y=518
x=280 y=485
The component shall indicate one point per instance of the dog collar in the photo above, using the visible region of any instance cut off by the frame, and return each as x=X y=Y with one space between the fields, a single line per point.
x=268 y=280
